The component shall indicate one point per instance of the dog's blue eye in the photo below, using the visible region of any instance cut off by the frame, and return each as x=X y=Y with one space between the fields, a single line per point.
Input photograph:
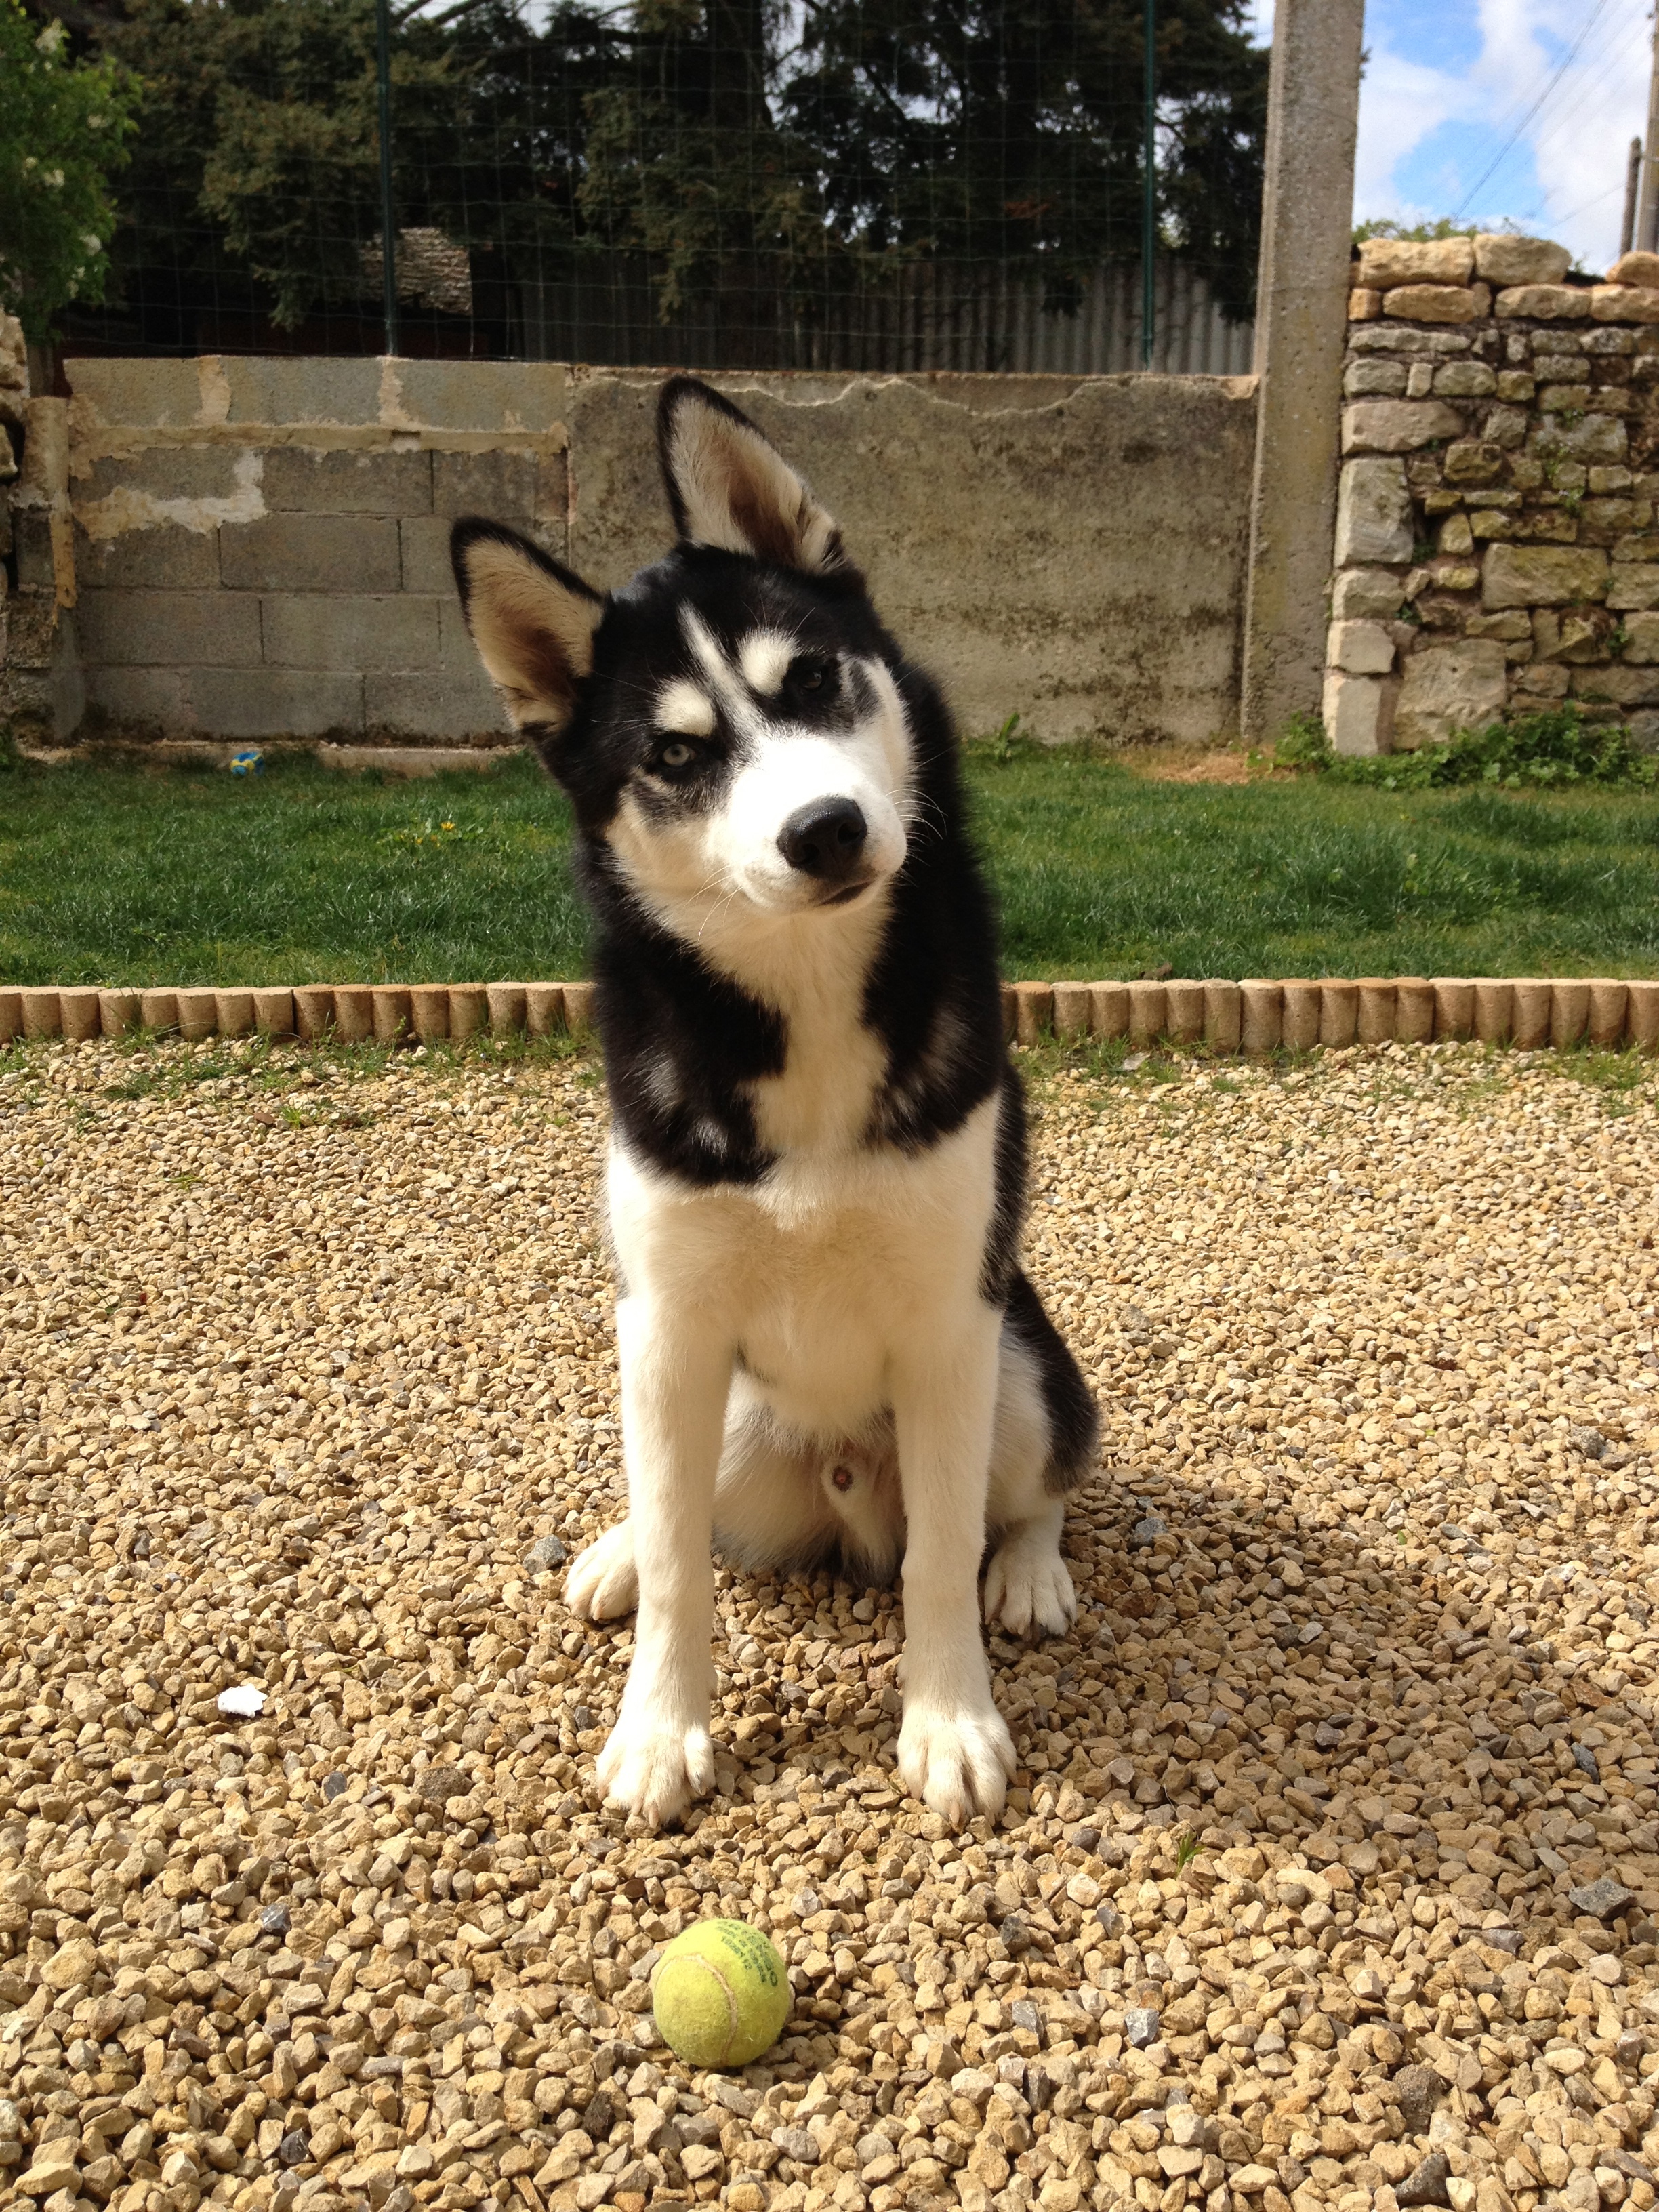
x=676 y=754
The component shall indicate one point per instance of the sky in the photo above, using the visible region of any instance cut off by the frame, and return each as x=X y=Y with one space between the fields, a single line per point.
x=1505 y=112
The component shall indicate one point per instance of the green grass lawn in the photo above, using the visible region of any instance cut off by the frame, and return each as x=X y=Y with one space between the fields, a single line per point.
x=129 y=875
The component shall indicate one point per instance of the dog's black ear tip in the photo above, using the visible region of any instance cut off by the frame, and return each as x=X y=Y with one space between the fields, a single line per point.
x=471 y=530
x=679 y=388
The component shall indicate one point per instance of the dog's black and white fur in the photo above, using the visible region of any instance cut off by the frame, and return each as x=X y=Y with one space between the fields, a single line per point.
x=817 y=1166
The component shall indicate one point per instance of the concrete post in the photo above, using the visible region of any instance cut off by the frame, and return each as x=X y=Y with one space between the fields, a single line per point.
x=1313 y=106
x=1647 y=215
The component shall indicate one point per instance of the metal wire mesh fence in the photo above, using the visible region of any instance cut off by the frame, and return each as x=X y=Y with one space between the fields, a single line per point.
x=835 y=184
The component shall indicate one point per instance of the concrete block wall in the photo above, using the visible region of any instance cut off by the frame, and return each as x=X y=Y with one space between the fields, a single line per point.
x=259 y=547
x=1495 y=548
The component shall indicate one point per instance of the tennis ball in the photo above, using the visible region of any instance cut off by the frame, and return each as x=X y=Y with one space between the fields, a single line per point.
x=721 y=1994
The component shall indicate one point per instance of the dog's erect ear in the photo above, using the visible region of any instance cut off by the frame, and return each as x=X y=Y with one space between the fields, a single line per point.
x=730 y=489
x=531 y=621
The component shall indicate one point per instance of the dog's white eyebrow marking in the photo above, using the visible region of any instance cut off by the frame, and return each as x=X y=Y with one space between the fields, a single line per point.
x=682 y=706
x=764 y=660
x=722 y=677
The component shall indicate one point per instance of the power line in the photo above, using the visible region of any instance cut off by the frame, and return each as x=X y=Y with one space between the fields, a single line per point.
x=1541 y=214
x=1513 y=122
x=1503 y=153
x=1593 y=84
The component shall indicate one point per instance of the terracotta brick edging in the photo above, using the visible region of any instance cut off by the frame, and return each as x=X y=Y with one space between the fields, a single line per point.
x=351 y=1013
x=1263 y=1014
x=1259 y=1015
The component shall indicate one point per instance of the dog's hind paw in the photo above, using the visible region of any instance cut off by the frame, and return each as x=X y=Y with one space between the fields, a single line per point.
x=655 y=1771
x=1027 y=1587
x=958 y=1762
x=602 y=1584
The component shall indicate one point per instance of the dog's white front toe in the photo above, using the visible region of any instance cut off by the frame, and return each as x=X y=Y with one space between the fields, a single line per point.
x=959 y=1763
x=1027 y=1587
x=655 y=1770
x=602 y=1584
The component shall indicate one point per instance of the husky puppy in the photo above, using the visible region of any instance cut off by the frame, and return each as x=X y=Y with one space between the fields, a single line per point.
x=816 y=1173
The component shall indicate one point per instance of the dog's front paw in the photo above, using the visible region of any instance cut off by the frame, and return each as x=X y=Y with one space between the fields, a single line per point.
x=959 y=1762
x=1027 y=1587
x=602 y=1584
x=655 y=1770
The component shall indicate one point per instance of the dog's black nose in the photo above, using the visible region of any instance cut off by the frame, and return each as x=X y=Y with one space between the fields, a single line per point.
x=825 y=839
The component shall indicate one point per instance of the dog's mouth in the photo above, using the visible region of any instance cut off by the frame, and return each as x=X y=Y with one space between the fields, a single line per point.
x=847 y=893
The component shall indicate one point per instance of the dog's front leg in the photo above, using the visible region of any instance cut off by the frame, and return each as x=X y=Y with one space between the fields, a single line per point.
x=954 y=1746
x=674 y=1385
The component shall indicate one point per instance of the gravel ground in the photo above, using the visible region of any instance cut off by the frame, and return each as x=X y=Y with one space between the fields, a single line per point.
x=1330 y=1875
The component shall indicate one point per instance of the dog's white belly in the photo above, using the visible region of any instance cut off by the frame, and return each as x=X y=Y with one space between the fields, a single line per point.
x=822 y=1276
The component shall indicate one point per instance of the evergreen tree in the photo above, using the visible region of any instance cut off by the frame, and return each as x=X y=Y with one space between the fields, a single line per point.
x=754 y=153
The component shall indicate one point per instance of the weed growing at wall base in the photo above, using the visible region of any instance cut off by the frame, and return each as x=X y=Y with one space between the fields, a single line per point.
x=1551 y=749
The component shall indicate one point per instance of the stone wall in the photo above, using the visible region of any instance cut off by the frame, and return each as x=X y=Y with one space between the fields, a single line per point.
x=40 y=690
x=257 y=550
x=1495 y=542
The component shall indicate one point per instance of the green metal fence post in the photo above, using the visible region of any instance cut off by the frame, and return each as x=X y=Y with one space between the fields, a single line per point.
x=388 y=219
x=1149 y=191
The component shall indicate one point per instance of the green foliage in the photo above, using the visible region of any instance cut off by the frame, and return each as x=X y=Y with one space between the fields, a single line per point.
x=1303 y=743
x=1443 y=226
x=746 y=150
x=1189 y=1847
x=63 y=124
x=260 y=150
x=1008 y=127
x=1550 y=750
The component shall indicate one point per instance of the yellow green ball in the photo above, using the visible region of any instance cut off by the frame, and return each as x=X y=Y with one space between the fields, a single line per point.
x=721 y=1994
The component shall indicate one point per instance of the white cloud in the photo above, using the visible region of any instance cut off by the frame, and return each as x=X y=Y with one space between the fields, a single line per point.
x=1574 y=111
x=1259 y=21
x=1401 y=102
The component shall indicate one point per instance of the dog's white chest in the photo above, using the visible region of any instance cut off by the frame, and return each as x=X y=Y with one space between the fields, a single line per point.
x=822 y=1273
